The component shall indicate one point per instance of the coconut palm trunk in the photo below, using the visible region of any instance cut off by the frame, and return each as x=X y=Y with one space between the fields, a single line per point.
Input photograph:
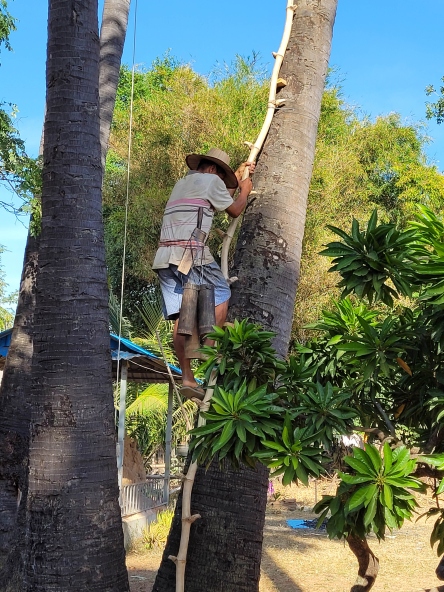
x=15 y=414
x=15 y=408
x=112 y=38
x=74 y=528
x=267 y=263
x=268 y=251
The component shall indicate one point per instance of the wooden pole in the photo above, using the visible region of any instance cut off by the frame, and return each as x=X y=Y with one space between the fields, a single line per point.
x=169 y=429
x=122 y=413
x=188 y=481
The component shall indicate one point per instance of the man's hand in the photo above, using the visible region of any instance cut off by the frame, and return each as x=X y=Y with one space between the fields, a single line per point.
x=240 y=171
x=245 y=187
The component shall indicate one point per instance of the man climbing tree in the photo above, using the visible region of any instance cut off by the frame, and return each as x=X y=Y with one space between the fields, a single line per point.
x=226 y=544
x=183 y=258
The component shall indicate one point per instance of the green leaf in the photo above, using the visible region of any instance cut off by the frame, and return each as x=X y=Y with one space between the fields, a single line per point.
x=225 y=436
x=302 y=474
x=388 y=496
x=388 y=458
x=374 y=456
x=360 y=466
x=370 y=511
x=358 y=498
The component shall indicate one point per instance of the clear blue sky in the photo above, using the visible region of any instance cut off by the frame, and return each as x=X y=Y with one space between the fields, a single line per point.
x=386 y=52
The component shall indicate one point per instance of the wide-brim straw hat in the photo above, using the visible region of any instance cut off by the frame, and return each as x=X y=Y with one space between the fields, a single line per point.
x=220 y=158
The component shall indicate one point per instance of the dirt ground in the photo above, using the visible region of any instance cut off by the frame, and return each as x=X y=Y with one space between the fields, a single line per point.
x=307 y=561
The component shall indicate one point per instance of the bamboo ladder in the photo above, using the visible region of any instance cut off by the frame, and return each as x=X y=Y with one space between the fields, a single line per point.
x=188 y=480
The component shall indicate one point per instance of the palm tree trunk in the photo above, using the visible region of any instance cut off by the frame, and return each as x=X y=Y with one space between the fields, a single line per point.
x=267 y=263
x=269 y=247
x=223 y=544
x=112 y=38
x=15 y=415
x=74 y=528
x=15 y=387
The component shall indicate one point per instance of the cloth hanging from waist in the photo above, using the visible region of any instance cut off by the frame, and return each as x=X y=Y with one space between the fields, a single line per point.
x=190 y=243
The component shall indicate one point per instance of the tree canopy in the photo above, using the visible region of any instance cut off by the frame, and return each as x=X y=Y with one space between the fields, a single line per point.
x=6 y=300
x=19 y=173
x=359 y=164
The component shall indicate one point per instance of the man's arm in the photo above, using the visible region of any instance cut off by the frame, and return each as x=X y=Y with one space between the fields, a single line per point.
x=238 y=206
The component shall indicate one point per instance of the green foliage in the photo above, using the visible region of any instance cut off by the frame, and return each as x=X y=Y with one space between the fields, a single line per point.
x=378 y=347
x=435 y=110
x=374 y=496
x=117 y=326
x=246 y=420
x=367 y=259
x=292 y=454
x=358 y=164
x=437 y=534
x=19 y=173
x=428 y=249
x=236 y=424
x=7 y=25
x=146 y=418
x=436 y=461
x=156 y=533
x=396 y=358
x=326 y=412
x=7 y=301
x=242 y=352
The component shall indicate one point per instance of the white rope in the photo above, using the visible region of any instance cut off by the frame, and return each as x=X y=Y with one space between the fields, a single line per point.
x=128 y=169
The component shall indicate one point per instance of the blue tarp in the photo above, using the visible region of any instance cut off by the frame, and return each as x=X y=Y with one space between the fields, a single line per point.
x=128 y=349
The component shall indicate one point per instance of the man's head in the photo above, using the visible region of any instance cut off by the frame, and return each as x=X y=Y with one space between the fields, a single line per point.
x=216 y=162
x=207 y=166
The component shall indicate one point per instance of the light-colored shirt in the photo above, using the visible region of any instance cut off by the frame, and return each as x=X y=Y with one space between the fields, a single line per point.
x=196 y=190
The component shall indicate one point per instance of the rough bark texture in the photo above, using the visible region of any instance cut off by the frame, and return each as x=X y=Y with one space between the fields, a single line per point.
x=112 y=38
x=268 y=251
x=16 y=384
x=368 y=564
x=15 y=415
x=223 y=543
x=440 y=570
x=74 y=528
x=267 y=263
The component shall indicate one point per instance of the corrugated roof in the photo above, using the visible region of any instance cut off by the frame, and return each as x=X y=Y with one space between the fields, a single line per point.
x=144 y=366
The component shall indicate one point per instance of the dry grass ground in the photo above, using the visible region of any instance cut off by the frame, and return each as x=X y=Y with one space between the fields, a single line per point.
x=307 y=561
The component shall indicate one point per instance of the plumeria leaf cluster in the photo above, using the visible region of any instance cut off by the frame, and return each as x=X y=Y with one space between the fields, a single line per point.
x=242 y=349
x=292 y=454
x=374 y=495
x=250 y=418
x=368 y=259
x=436 y=461
x=236 y=424
x=326 y=412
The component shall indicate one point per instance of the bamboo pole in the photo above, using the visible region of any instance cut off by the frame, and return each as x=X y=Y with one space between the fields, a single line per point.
x=188 y=482
x=255 y=148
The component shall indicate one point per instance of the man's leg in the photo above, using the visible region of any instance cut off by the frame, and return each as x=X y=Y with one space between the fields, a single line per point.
x=221 y=313
x=184 y=363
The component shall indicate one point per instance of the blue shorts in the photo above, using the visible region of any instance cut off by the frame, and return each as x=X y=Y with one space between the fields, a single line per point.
x=172 y=283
